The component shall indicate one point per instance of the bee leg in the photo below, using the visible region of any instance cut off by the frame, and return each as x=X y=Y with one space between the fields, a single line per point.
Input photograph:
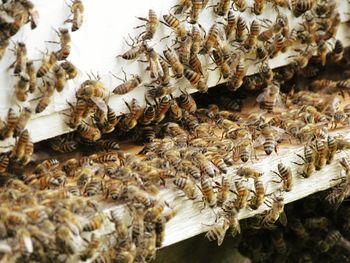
x=164 y=38
x=211 y=6
x=179 y=196
x=203 y=30
x=69 y=20
x=142 y=19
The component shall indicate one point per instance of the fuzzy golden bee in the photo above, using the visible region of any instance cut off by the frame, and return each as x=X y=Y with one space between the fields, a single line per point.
x=128 y=85
x=77 y=10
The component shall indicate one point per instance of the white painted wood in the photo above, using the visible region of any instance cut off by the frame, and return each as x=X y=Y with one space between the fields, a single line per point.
x=95 y=46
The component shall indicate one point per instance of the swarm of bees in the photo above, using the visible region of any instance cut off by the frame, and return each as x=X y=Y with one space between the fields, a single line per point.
x=314 y=233
x=185 y=146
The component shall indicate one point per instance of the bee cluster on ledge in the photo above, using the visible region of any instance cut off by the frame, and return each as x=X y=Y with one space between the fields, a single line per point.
x=201 y=146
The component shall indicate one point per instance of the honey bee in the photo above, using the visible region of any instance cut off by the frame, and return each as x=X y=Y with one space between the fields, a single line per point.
x=237 y=79
x=224 y=67
x=333 y=238
x=3 y=46
x=70 y=69
x=4 y=162
x=21 y=58
x=22 y=87
x=298 y=228
x=160 y=231
x=212 y=39
x=139 y=195
x=187 y=185
x=149 y=245
x=337 y=53
x=270 y=98
x=28 y=152
x=31 y=72
x=241 y=32
x=187 y=102
x=175 y=111
x=46 y=166
x=65 y=240
x=242 y=193
x=245 y=150
x=60 y=77
x=47 y=63
x=259 y=194
x=77 y=10
x=248 y=172
x=196 y=80
x=184 y=50
x=151 y=25
x=89 y=132
x=182 y=7
x=135 y=51
x=331 y=148
x=251 y=40
x=316 y=222
x=309 y=162
x=115 y=190
x=271 y=136
x=224 y=191
x=339 y=193
x=95 y=222
x=241 y=5
x=128 y=85
x=197 y=40
x=19 y=149
x=175 y=24
x=321 y=154
x=32 y=13
x=65 y=42
x=218 y=160
x=46 y=97
x=275 y=213
x=92 y=91
x=206 y=166
x=197 y=6
x=218 y=230
x=154 y=213
x=91 y=250
x=279 y=243
x=174 y=62
x=108 y=127
x=231 y=25
x=209 y=196
x=195 y=64
x=285 y=173
x=162 y=107
x=300 y=7
x=222 y=7
x=258 y=7
x=155 y=67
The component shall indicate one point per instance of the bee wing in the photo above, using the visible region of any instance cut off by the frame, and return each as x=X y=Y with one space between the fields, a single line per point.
x=6 y=18
x=34 y=17
x=5 y=248
x=258 y=141
x=279 y=102
x=261 y=96
x=28 y=243
x=279 y=133
x=283 y=219
x=100 y=103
